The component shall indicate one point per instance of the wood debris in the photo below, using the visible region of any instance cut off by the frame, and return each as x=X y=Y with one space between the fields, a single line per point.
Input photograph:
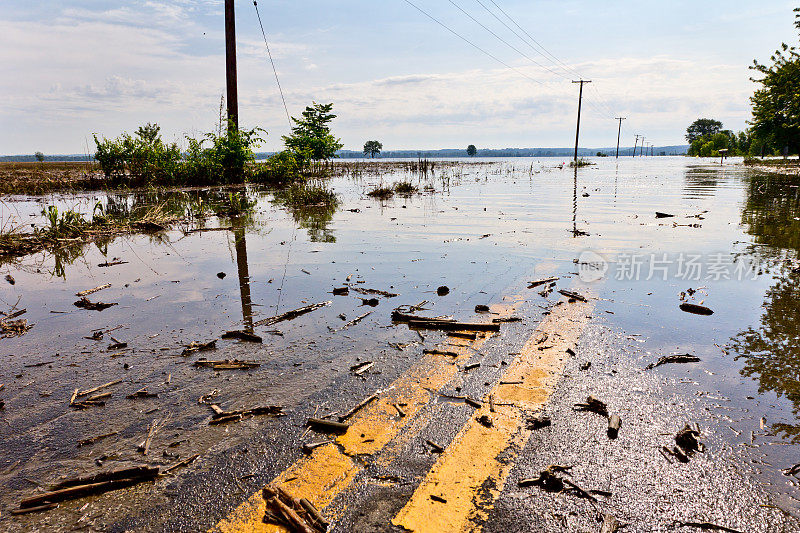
x=14 y=328
x=242 y=336
x=668 y=359
x=290 y=315
x=227 y=364
x=223 y=417
x=327 y=426
x=297 y=515
x=361 y=367
x=439 y=352
x=696 y=309
x=358 y=407
x=447 y=325
x=87 y=292
x=385 y=294
x=92 y=440
x=196 y=346
x=112 y=263
x=536 y=283
x=593 y=405
x=84 y=303
x=87 y=485
x=572 y=295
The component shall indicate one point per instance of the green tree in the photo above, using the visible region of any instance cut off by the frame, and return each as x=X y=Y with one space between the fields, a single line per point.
x=311 y=138
x=372 y=148
x=471 y=150
x=702 y=127
x=776 y=105
x=39 y=156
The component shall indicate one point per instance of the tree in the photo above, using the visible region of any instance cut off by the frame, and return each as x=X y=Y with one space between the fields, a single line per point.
x=702 y=127
x=311 y=138
x=39 y=157
x=471 y=150
x=372 y=148
x=776 y=105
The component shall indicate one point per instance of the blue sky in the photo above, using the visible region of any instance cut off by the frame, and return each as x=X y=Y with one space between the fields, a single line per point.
x=76 y=67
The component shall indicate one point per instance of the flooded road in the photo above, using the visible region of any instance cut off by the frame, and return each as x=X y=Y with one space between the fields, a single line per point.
x=726 y=239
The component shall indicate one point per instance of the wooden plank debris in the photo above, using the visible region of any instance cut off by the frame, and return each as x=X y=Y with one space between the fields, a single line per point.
x=291 y=315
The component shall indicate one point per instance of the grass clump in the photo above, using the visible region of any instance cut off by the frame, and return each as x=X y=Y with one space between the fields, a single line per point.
x=381 y=193
x=581 y=162
x=405 y=187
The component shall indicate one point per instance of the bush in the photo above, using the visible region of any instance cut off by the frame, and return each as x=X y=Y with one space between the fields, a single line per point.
x=146 y=160
x=279 y=169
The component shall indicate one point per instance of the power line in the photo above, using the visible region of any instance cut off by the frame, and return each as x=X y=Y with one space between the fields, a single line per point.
x=507 y=43
x=443 y=25
x=274 y=70
x=544 y=52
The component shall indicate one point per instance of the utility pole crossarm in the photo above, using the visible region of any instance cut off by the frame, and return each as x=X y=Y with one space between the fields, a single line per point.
x=578 y=128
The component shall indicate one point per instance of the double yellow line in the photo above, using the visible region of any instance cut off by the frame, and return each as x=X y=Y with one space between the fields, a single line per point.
x=471 y=459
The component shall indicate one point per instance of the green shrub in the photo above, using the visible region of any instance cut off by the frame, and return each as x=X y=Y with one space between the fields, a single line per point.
x=145 y=159
x=279 y=169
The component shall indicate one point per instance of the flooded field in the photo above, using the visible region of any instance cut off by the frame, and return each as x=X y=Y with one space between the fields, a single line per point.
x=725 y=239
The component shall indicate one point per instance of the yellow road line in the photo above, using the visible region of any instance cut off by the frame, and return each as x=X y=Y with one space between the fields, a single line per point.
x=473 y=470
x=330 y=469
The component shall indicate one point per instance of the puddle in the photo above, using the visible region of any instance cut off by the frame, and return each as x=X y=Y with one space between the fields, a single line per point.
x=476 y=229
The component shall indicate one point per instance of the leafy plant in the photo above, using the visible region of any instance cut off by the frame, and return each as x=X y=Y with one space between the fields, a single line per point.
x=281 y=168
x=311 y=138
x=62 y=225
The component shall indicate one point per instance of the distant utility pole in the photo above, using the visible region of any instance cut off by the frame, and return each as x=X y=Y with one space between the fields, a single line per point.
x=619 y=133
x=641 y=151
x=635 y=145
x=578 y=129
x=230 y=65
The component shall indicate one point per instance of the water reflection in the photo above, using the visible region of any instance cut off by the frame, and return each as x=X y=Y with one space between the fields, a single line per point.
x=243 y=269
x=771 y=350
x=701 y=182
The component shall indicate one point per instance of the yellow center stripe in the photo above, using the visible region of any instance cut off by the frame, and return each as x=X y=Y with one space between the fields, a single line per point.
x=328 y=471
x=470 y=474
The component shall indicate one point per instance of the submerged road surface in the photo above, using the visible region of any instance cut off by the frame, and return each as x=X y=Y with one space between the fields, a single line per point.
x=503 y=426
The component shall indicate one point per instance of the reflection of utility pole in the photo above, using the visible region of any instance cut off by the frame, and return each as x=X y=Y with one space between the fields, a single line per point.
x=575 y=205
x=634 y=146
x=244 y=276
x=230 y=65
x=578 y=129
x=619 y=133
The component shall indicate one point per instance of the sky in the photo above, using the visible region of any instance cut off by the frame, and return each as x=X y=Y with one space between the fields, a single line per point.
x=74 y=68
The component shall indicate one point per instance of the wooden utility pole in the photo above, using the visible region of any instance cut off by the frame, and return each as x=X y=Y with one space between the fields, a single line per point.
x=641 y=150
x=230 y=65
x=578 y=129
x=635 y=145
x=619 y=133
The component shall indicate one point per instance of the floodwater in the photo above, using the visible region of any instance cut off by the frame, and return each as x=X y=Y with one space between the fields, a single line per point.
x=478 y=229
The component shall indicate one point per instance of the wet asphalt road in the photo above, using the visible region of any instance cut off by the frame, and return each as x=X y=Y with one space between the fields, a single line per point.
x=648 y=493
